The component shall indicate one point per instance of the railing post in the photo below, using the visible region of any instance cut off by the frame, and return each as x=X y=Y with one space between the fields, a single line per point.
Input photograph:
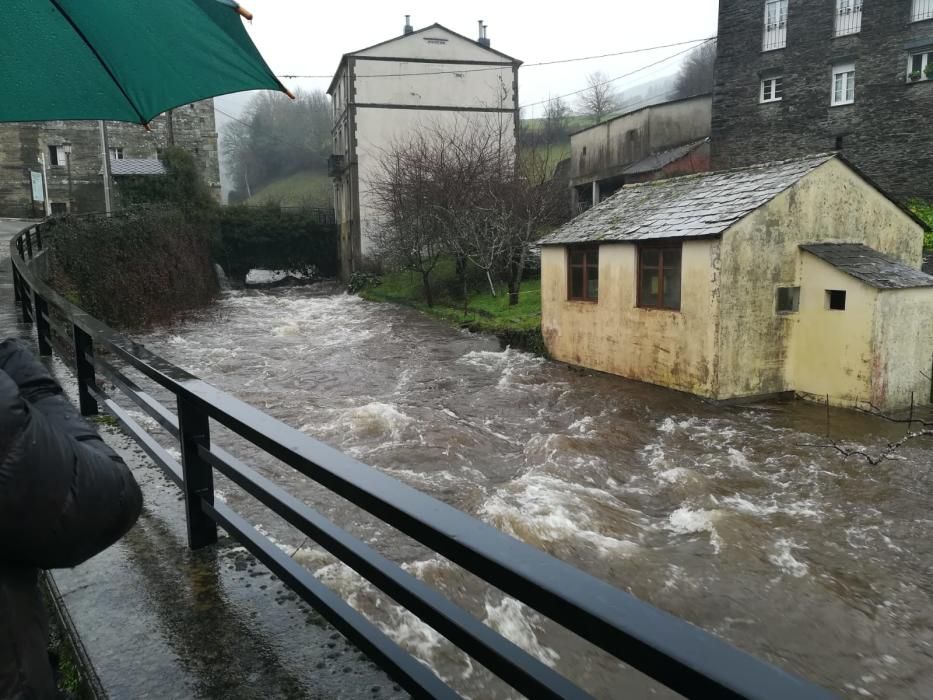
x=84 y=346
x=19 y=247
x=194 y=432
x=17 y=292
x=39 y=237
x=25 y=302
x=43 y=327
x=28 y=237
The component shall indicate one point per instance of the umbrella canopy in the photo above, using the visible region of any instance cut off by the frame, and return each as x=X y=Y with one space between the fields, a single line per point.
x=122 y=60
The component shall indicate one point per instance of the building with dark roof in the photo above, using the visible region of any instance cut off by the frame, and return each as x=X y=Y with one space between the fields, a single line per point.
x=802 y=76
x=793 y=276
x=70 y=154
x=660 y=140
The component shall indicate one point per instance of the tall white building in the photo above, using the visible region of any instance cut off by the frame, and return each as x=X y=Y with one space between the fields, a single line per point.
x=386 y=92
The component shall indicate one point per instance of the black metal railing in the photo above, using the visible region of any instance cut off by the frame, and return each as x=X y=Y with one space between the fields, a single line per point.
x=668 y=649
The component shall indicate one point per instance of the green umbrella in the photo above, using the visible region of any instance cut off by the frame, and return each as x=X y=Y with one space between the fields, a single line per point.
x=122 y=60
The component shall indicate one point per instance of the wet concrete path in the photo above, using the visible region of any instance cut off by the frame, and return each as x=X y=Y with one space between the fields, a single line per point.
x=159 y=621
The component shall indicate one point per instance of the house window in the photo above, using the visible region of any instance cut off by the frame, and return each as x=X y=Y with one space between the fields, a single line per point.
x=659 y=276
x=848 y=17
x=772 y=89
x=920 y=66
x=56 y=155
x=584 y=274
x=836 y=299
x=116 y=153
x=788 y=300
x=775 y=36
x=843 y=84
x=922 y=9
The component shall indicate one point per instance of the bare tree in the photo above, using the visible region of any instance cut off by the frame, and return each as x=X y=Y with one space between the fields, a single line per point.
x=556 y=115
x=599 y=99
x=698 y=73
x=410 y=231
x=914 y=428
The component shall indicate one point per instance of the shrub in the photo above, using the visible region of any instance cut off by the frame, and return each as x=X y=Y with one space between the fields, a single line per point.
x=133 y=269
x=274 y=239
x=924 y=211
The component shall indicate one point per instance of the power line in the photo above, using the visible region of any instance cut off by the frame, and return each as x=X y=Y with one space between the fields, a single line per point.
x=619 y=77
x=525 y=65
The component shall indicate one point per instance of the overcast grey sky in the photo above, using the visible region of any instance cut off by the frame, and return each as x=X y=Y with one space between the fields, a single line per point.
x=304 y=37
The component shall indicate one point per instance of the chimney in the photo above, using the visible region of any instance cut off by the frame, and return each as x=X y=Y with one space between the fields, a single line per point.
x=408 y=28
x=483 y=40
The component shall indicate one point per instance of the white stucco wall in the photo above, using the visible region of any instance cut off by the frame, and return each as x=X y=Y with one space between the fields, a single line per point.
x=762 y=252
x=675 y=349
x=903 y=332
x=831 y=353
x=412 y=84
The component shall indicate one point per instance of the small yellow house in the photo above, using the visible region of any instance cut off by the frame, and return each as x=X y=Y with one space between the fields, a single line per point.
x=798 y=276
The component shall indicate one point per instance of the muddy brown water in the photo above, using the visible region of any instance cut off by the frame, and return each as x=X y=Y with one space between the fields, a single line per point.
x=721 y=515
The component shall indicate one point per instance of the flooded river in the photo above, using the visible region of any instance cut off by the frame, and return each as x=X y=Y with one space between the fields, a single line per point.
x=721 y=515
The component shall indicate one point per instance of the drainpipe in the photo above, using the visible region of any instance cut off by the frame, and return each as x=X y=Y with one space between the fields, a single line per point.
x=105 y=150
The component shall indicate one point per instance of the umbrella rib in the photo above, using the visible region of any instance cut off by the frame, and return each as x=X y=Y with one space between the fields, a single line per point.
x=142 y=119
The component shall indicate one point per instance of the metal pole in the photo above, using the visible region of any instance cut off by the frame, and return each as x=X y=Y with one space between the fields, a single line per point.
x=84 y=347
x=45 y=185
x=71 y=203
x=193 y=433
x=105 y=158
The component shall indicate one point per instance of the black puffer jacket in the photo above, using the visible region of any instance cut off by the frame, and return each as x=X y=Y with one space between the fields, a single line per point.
x=64 y=497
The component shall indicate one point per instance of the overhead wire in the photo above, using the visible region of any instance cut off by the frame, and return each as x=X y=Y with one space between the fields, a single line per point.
x=524 y=65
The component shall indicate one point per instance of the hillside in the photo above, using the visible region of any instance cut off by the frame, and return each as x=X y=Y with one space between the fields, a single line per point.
x=307 y=189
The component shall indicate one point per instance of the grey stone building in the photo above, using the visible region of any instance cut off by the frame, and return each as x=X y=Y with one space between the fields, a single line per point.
x=807 y=76
x=79 y=185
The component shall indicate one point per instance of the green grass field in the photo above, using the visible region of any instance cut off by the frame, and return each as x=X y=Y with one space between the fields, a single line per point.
x=481 y=312
x=304 y=189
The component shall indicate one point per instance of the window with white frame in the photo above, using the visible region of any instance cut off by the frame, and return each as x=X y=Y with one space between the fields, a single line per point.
x=920 y=66
x=775 y=36
x=922 y=9
x=848 y=17
x=772 y=89
x=843 y=84
x=116 y=153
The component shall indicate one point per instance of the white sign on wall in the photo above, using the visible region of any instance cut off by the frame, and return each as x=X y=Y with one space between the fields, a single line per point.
x=38 y=191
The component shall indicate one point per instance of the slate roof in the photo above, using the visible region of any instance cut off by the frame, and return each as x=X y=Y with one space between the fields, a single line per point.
x=136 y=166
x=659 y=160
x=868 y=265
x=692 y=206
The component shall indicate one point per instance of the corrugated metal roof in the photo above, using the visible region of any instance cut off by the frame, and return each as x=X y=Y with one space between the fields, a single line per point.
x=692 y=206
x=136 y=166
x=869 y=266
x=659 y=160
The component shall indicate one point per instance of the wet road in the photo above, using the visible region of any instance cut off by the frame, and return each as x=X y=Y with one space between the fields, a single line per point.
x=721 y=515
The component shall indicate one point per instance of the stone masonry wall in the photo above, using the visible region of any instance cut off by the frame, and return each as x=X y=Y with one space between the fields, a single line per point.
x=193 y=128
x=886 y=133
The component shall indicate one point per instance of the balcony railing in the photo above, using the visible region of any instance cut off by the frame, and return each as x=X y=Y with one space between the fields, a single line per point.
x=849 y=17
x=775 y=34
x=682 y=657
x=922 y=9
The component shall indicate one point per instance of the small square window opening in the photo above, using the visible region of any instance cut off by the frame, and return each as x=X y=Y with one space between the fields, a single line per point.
x=788 y=300
x=836 y=299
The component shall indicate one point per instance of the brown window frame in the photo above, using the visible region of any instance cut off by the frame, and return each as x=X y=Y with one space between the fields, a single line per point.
x=661 y=247
x=587 y=251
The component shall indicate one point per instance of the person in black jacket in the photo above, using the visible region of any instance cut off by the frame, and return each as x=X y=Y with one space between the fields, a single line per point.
x=64 y=497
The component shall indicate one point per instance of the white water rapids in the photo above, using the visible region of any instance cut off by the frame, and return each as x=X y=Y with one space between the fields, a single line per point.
x=719 y=515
